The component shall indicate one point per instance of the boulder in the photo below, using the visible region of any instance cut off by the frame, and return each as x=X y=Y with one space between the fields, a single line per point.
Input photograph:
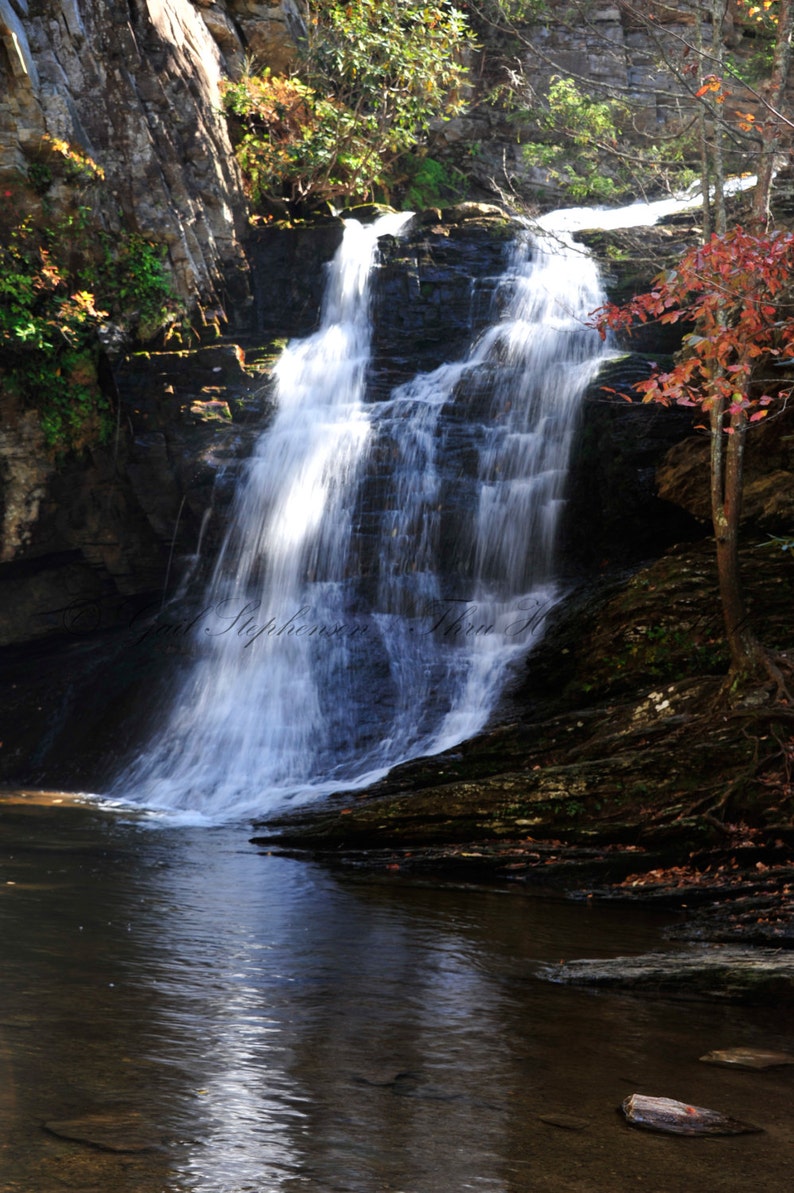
x=679 y=1118
x=768 y=496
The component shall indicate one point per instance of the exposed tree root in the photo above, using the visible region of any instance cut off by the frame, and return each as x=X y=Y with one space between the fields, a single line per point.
x=773 y=770
x=765 y=683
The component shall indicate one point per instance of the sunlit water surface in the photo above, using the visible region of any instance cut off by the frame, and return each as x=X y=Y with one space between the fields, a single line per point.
x=267 y=1025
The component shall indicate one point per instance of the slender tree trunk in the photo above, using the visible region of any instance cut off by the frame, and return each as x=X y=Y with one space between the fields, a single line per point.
x=705 y=178
x=718 y=55
x=705 y=156
x=727 y=449
x=776 y=94
x=727 y=466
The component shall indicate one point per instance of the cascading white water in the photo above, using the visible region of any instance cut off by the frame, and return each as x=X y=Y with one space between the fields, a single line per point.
x=324 y=661
x=512 y=404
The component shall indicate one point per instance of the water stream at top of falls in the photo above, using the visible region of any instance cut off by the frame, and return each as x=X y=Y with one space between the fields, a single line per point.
x=386 y=562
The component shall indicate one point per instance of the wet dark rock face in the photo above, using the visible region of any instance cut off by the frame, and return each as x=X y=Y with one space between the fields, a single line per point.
x=113 y=521
x=288 y=269
x=615 y=515
x=435 y=294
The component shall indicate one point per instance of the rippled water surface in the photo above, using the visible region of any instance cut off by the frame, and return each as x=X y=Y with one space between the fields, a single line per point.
x=223 y=1021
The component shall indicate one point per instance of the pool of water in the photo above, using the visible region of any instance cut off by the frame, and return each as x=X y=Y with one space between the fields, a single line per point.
x=182 y=1013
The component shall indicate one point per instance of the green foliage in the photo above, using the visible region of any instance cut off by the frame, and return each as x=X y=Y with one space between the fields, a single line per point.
x=783 y=544
x=47 y=344
x=60 y=283
x=577 y=129
x=75 y=412
x=760 y=17
x=132 y=277
x=294 y=144
x=579 y=146
x=373 y=76
x=40 y=176
x=582 y=118
x=47 y=336
x=69 y=161
x=754 y=68
x=430 y=183
x=585 y=184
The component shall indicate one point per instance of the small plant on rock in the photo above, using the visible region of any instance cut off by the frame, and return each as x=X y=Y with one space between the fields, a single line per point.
x=61 y=282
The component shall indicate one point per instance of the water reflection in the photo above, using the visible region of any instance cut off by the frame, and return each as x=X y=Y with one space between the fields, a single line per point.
x=318 y=1029
x=223 y=982
x=274 y=1028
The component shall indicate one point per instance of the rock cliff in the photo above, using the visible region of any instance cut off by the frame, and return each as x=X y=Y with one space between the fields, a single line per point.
x=134 y=87
x=134 y=84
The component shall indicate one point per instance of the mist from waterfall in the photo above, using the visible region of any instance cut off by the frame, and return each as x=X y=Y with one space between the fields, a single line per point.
x=386 y=562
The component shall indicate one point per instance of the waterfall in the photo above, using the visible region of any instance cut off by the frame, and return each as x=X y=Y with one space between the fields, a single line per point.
x=386 y=562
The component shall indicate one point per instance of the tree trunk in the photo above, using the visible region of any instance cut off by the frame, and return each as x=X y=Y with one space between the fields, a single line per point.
x=776 y=95
x=718 y=164
x=703 y=137
x=748 y=657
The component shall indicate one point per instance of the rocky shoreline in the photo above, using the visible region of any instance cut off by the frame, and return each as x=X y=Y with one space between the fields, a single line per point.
x=629 y=782
x=731 y=940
